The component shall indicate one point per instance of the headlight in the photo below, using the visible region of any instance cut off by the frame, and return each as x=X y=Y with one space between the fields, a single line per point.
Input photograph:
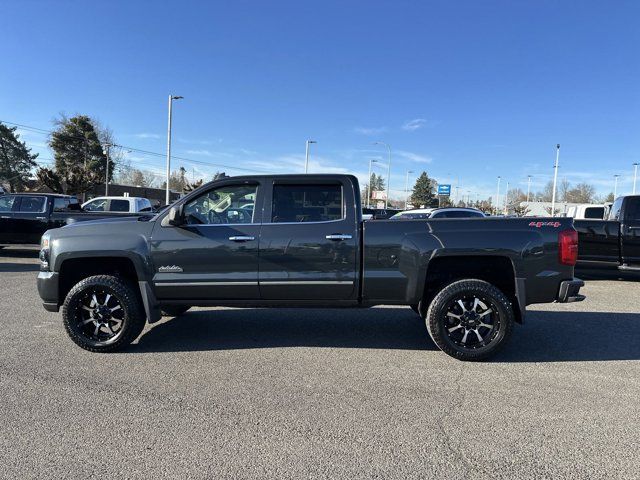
x=44 y=252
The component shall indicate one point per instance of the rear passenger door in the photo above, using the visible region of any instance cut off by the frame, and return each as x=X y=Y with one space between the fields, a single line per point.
x=309 y=242
x=7 y=224
x=630 y=231
x=119 y=205
x=31 y=219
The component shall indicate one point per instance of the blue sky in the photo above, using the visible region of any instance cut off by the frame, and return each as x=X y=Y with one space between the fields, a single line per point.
x=465 y=90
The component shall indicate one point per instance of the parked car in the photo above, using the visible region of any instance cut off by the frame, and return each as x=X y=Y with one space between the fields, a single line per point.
x=379 y=213
x=118 y=204
x=614 y=241
x=433 y=213
x=304 y=245
x=585 y=211
x=24 y=217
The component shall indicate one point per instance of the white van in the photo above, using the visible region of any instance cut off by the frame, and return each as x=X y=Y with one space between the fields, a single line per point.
x=585 y=211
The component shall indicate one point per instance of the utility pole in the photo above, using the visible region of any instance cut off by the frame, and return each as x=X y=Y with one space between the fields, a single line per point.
x=171 y=99
x=369 y=183
x=555 y=181
x=635 y=176
x=497 y=204
x=386 y=202
x=107 y=146
x=406 y=189
x=506 y=200
x=306 y=156
x=615 y=187
x=528 y=186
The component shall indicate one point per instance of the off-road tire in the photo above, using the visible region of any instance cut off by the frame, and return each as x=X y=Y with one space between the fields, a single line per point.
x=436 y=318
x=133 y=320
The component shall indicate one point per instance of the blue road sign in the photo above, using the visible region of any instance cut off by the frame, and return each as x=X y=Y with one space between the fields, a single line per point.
x=444 y=189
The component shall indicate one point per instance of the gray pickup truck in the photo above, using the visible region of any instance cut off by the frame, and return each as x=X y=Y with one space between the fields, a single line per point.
x=299 y=241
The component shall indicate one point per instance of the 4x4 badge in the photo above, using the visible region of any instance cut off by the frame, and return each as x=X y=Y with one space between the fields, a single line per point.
x=170 y=269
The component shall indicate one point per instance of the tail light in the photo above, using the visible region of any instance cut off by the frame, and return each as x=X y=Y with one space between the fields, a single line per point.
x=568 y=247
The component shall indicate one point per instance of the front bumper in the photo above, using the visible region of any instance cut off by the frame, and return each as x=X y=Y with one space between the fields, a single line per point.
x=569 y=291
x=48 y=290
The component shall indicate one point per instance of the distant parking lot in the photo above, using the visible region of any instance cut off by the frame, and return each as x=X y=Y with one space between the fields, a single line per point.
x=310 y=393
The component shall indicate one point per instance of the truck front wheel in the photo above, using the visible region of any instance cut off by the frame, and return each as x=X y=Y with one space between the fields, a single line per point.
x=470 y=319
x=103 y=314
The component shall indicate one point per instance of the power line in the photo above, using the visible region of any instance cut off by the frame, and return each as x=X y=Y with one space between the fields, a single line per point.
x=145 y=152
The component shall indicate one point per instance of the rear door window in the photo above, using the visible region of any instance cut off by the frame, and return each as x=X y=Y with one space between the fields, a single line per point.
x=6 y=202
x=594 y=212
x=34 y=204
x=307 y=203
x=60 y=204
x=119 y=206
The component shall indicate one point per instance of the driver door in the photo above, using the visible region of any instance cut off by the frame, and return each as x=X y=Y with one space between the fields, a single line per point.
x=215 y=255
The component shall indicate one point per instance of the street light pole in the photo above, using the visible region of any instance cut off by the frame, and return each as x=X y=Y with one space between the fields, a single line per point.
x=497 y=204
x=615 y=187
x=371 y=161
x=171 y=99
x=506 y=200
x=107 y=146
x=528 y=186
x=635 y=176
x=386 y=202
x=306 y=156
x=555 y=181
x=406 y=189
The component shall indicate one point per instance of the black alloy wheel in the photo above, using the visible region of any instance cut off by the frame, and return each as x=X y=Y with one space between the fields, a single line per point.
x=103 y=314
x=470 y=319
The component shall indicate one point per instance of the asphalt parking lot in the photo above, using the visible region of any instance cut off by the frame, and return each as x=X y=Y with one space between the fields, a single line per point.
x=309 y=393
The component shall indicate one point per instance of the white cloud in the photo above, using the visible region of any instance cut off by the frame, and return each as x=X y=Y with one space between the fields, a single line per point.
x=415 y=124
x=147 y=135
x=414 y=157
x=369 y=131
x=206 y=153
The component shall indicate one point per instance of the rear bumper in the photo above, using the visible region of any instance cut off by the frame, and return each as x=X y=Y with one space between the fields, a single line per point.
x=48 y=290
x=570 y=291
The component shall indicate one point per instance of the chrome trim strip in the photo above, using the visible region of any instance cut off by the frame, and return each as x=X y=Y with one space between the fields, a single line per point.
x=191 y=284
x=264 y=282
x=306 y=282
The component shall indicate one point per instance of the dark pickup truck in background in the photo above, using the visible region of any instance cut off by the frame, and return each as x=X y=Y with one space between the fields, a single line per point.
x=24 y=217
x=614 y=241
x=299 y=241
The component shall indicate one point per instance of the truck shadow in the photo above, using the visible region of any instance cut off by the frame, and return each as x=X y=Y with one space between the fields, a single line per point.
x=545 y=337
x=594 y=275
x=573 y=337
x=393 y=328
x=12 y=267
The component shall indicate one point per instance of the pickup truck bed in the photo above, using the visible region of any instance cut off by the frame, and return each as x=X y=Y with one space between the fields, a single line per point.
x=299 y=240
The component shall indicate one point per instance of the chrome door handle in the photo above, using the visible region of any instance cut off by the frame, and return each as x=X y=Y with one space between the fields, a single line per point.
x=5 y=217
x=338 y=236
x=41 y=218
x=242 y=238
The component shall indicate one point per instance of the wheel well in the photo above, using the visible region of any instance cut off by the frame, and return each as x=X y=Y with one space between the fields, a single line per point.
x=493 y=269
x=76 y=269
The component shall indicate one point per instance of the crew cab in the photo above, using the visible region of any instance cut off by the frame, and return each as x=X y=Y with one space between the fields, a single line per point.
x=24 y=217
x=614 y=241
x=299 y=241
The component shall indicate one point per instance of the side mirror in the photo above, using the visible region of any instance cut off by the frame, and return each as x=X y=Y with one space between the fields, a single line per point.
x=176 y=216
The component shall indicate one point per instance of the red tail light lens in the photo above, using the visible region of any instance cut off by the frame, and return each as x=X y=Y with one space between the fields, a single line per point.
x=568 y=247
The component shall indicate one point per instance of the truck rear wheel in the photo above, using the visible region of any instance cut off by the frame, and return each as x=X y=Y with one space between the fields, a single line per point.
x=470 y=319
x=103 y=314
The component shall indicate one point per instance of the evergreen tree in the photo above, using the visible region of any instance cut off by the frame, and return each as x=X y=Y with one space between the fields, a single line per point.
x=80 y=161
x=423 y=191
x=16 y=159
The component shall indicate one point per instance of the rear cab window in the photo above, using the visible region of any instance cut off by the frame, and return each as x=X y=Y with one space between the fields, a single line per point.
x=632 y=209
x=307 y=203
x=594 y=212
x=33 y=204
x=614 y=214
x=119 y=206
